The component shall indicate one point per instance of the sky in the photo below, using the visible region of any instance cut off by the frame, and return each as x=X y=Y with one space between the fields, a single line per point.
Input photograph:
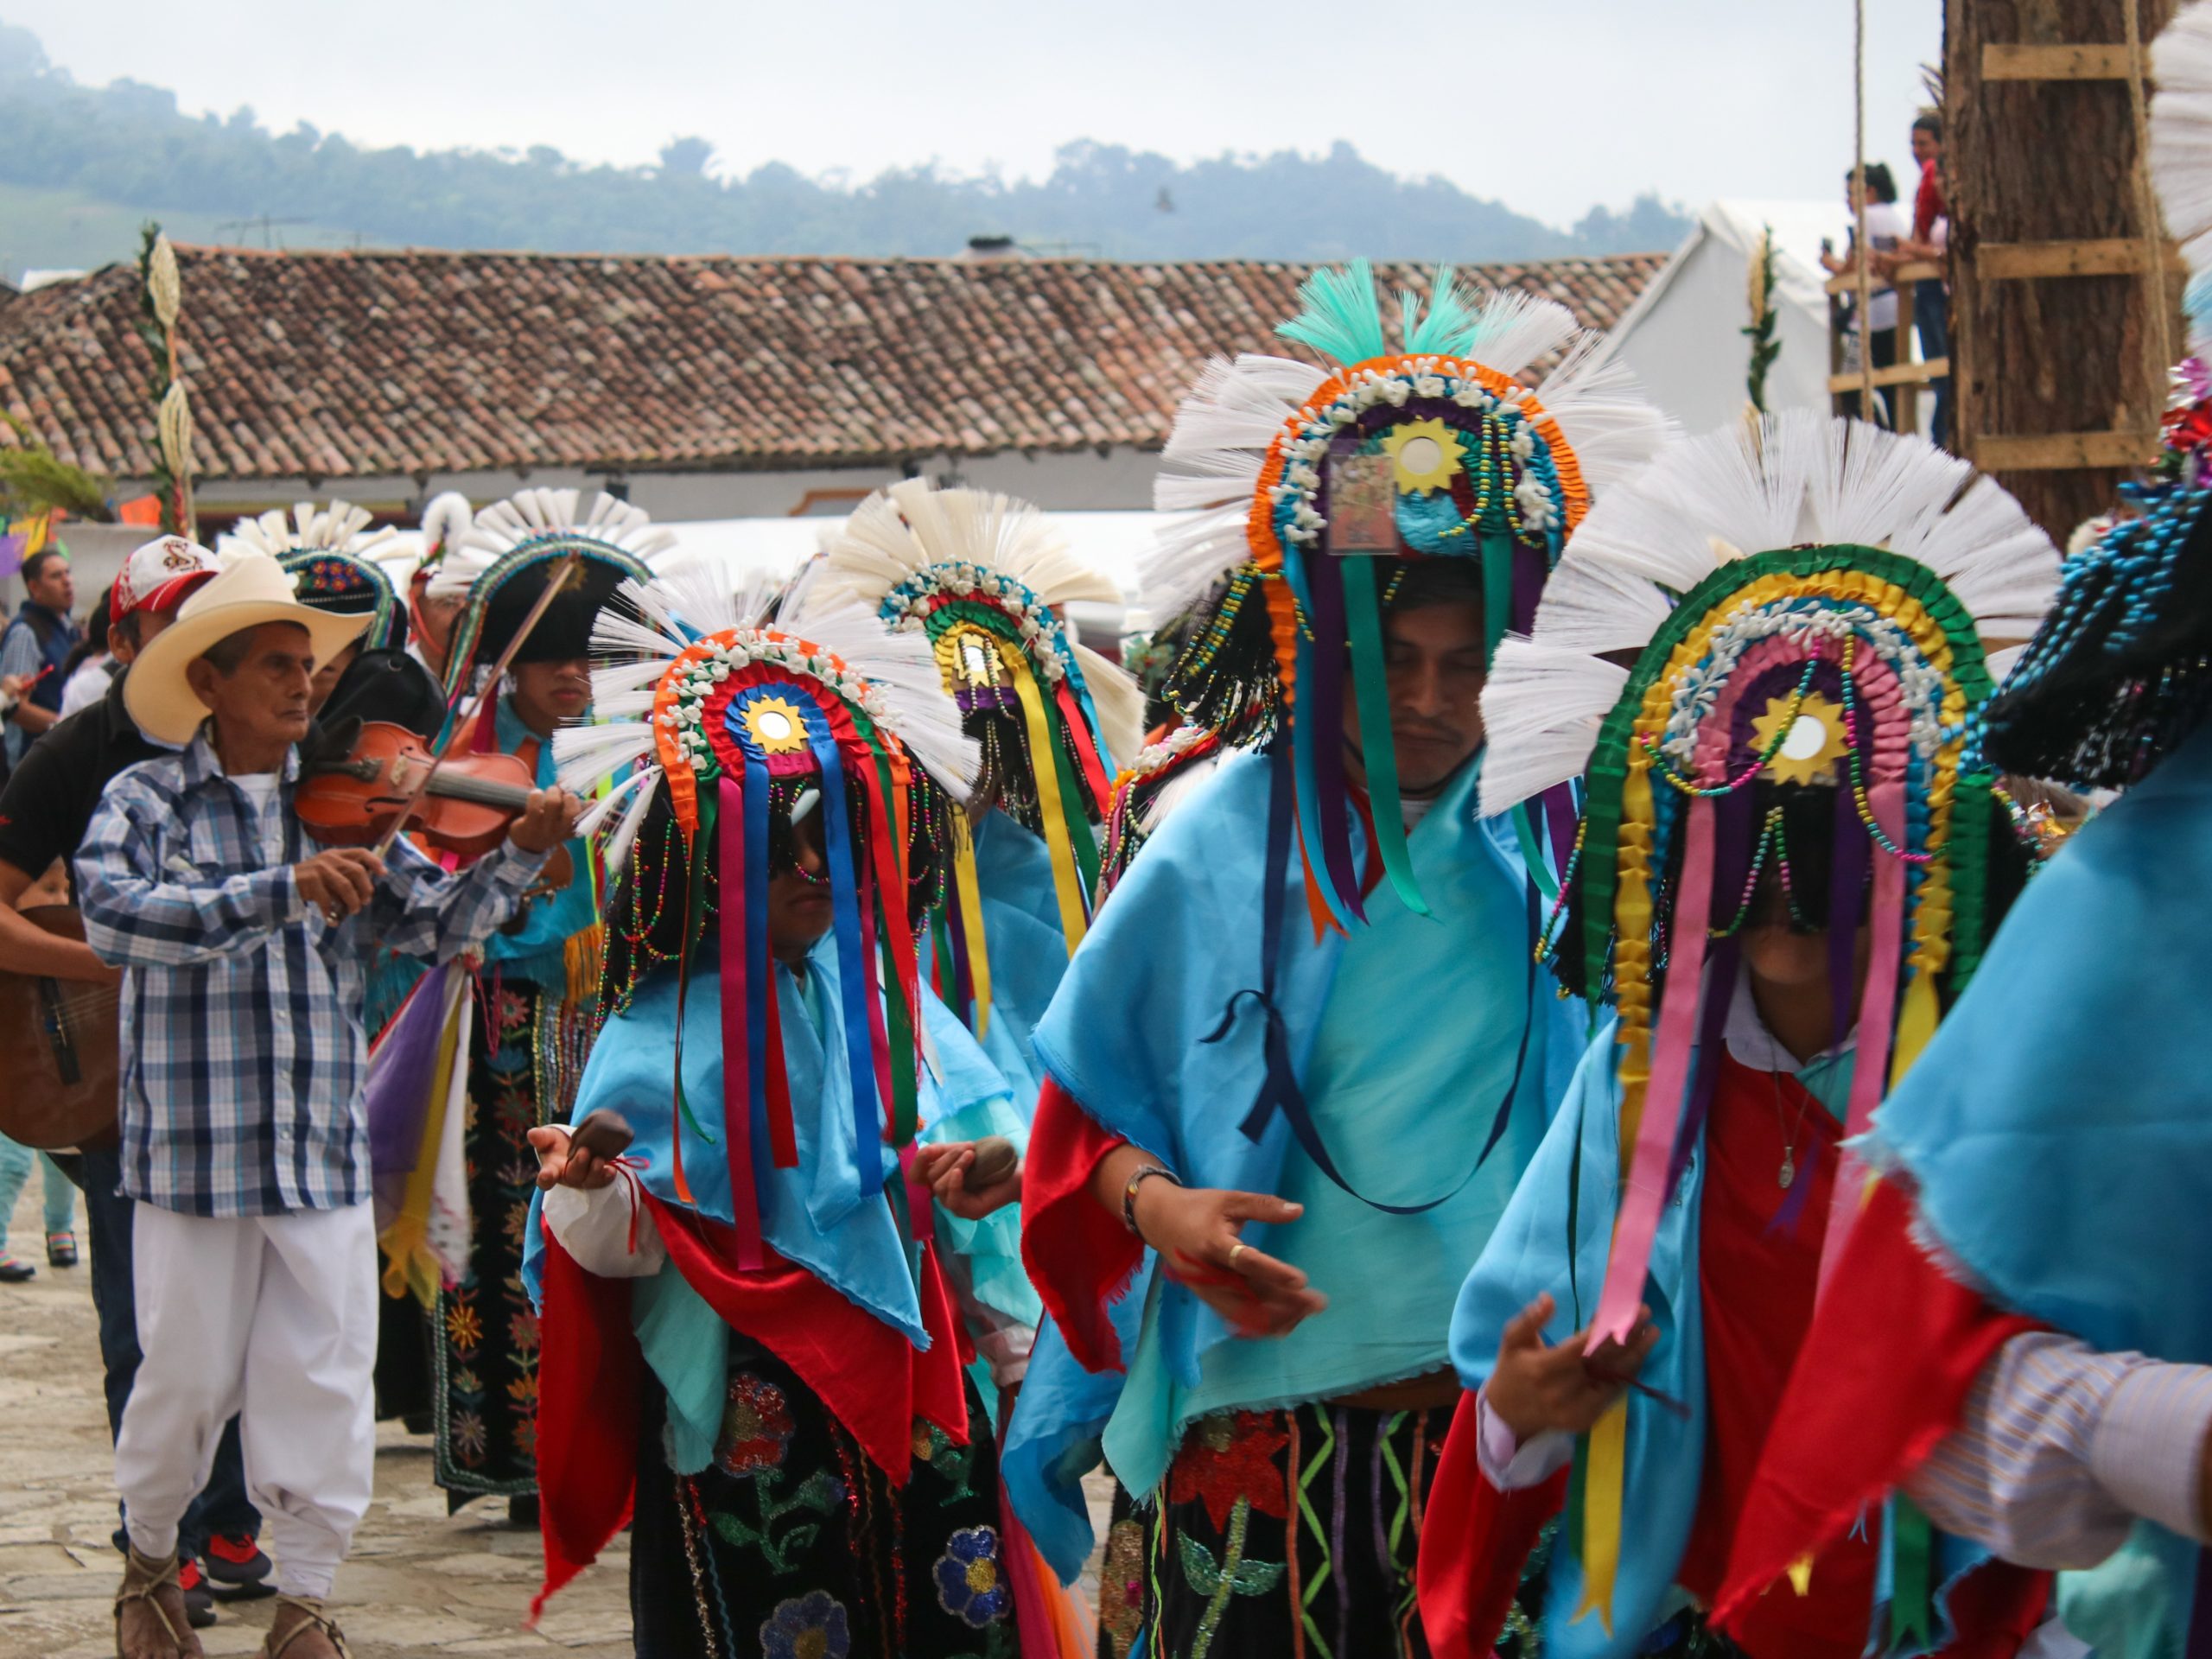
x=1548 y=105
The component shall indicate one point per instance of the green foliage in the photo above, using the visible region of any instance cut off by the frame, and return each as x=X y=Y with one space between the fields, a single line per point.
x=1760 y=330
x=129 y=144
x=33 y=479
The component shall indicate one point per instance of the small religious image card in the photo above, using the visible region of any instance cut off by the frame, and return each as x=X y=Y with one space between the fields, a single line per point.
x=1363 y=497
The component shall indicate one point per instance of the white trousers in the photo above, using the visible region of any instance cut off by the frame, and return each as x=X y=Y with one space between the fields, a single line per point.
x=273 y=1318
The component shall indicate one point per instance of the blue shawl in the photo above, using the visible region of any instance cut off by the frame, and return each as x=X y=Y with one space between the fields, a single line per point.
x=2058 y=1126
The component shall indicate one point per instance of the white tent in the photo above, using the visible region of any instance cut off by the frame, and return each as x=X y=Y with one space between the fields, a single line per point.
x=1684 y=337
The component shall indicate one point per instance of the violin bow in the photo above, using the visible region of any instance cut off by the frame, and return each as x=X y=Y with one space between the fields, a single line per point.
x=562 y=572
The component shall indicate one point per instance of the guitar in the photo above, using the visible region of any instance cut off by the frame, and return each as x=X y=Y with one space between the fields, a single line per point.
x=60 y=1038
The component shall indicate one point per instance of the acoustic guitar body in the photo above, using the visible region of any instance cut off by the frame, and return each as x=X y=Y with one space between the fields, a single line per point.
x=59 y=1040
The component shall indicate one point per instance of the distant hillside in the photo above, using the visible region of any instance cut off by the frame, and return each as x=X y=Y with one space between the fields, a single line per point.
x=80 y=166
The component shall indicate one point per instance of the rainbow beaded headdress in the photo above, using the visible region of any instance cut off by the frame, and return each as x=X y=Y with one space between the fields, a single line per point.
x=984 y=579
x=2121 y=673
x=1301 y=475
x=1809 y=606
x=726 y=719
x=502 y=562
x=1158 y=781
x=333 y=557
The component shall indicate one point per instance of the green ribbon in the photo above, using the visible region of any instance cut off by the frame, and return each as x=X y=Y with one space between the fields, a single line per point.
x=1912 y=1550
x=1497 y=591
x=1371 y=690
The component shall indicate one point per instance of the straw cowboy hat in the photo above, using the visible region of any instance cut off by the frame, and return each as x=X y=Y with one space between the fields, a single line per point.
x=253 y=588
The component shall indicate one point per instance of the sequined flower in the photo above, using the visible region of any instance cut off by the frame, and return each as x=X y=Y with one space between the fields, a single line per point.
x=1121 y=1586
x=1226 y=1458
x=811 y=1626
x=757 y=1426
x=969 y=1585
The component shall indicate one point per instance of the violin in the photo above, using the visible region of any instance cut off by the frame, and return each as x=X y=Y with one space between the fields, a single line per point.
x=352 y=800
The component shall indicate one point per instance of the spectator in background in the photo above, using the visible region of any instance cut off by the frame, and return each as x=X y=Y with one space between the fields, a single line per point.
x=37 y=643
x=92 y=666
x=1930 y=240
x=1886 y=227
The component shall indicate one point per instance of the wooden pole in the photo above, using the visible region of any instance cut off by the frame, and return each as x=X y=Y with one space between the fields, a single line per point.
x=1864 y=261
x=2043 y=155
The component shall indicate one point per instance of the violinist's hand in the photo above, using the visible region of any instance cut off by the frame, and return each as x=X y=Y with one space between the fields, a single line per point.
x=338 y=880
x=548 y=820
x=558 y=1165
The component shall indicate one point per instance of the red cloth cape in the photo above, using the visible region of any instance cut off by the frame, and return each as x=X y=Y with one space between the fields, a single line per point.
x=1475 y=1540
x=590 y=1372
x=1893 y=1351
x=1079 y=1257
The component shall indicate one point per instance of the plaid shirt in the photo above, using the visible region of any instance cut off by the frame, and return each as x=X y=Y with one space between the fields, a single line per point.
x=242 y=1055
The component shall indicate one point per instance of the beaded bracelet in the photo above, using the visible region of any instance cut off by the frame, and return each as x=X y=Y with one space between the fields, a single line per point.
x=1137 y=1178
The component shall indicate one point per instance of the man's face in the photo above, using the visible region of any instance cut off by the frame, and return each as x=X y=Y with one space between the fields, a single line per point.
x=327 y=675
x=54 y=587
x=1433 y=658
x=799 y=907
x=550 y=693
x=266 y=699
x=1926 y=146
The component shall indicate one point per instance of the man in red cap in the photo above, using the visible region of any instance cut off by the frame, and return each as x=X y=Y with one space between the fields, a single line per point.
x=44 y=809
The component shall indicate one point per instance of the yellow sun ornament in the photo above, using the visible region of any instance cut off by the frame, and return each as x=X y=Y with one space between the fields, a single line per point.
x=775 y=725
x=1813 y=743
x=1424 y=454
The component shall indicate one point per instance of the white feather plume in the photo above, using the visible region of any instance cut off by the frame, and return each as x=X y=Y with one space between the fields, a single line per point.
x=1801 y=478
x=338 y=528
x=2181 y=127
x=503 y=525
x=918 y=710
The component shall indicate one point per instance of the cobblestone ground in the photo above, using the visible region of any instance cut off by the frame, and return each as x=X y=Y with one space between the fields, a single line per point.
x=418 y=1582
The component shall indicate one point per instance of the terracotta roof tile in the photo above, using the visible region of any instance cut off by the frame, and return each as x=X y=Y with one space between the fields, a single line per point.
x=353 y=364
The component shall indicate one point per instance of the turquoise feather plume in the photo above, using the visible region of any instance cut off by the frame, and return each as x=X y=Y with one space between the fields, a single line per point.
x=1341 y=315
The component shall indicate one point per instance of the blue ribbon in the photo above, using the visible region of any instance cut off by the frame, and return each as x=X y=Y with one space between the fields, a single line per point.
x=852 y=967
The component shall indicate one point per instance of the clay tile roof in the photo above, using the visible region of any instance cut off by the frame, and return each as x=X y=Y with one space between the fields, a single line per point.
x=338 y=365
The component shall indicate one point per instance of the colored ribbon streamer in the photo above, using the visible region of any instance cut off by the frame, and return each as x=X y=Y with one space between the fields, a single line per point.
x=1646 y=1194
x=852 y=964
x=1324 y=725
x=968 y=889
x=1876 y=1015
x=1912 y=1554
x=744 y=872
x=1378 y=746
x=1601 y=1514
x=1067 y=886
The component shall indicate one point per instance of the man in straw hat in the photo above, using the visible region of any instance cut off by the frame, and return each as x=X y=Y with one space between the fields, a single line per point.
x=243 y=1142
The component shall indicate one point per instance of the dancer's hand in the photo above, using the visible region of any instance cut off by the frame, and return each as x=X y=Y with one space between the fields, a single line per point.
x=1196 y=1231
x=558 y=1165
x=944 y=1169
x=1537 y=1386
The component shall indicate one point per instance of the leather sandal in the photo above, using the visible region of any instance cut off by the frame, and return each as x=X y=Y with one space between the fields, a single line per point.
x=149 y=1616
x=299 y=1616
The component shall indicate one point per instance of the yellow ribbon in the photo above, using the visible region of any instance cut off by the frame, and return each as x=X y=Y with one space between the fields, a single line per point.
x=1601 y=1514
x=969 y=892
x=409 y=1265
x=1067 y=883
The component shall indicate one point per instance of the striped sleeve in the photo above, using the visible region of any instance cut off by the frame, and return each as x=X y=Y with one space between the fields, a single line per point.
x=2061 y=1447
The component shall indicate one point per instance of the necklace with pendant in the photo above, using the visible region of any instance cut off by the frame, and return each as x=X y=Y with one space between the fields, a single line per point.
x=1786 y=1177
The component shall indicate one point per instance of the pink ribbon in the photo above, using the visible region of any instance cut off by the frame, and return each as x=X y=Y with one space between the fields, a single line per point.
x=1638 y=1225
x=737 y=1052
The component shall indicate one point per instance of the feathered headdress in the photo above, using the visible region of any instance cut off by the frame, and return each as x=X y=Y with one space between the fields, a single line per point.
x=502 y=562
x=2122 y=672
x=726 y=719
x=446 y=519
x=1434 y=450
x=1158 y=781
x=335 y=558
x=1808 y=604
x=984 y=578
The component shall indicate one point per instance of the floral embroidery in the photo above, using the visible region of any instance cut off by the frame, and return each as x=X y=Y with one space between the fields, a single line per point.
x=1226 y=1460
x=969 y=1586
x=522 y=1331
x=463 y=1327
x=812 y=1626
x=950 y=1461
x=757 y=1426
x=468 y=1436
x=1232 y=1576
x=1121 y=1586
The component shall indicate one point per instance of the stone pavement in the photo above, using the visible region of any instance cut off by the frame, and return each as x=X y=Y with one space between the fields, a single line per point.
x=419 y=1582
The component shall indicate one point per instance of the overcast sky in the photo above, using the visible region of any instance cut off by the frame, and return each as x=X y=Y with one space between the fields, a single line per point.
x=1548 y=105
